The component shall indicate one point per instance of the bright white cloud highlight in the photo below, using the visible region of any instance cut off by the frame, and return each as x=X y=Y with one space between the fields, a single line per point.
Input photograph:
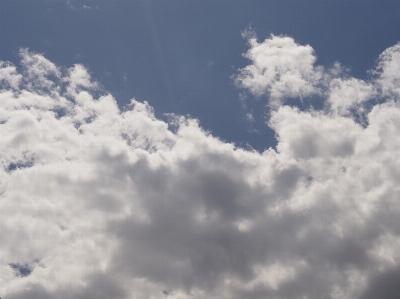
x=102 y=203
x=280 y=67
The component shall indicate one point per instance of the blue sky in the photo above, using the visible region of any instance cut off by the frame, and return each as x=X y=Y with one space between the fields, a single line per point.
x=180 y=55
x=199 y=149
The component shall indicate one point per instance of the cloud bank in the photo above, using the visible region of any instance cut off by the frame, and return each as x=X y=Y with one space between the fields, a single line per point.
x=102 y=203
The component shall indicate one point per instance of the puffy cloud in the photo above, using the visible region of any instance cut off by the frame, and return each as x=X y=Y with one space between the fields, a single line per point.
x=9 y=75
x=102 y=203
x=280 y=67
x=347 y=96
x=38 y=71
x=388 y=70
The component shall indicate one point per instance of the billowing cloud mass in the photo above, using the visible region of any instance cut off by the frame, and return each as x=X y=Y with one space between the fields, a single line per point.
x=99 y=202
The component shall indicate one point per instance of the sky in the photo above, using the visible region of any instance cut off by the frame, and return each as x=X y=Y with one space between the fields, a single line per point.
x=199 y=149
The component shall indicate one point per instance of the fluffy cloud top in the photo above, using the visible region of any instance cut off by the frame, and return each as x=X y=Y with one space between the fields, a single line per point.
x=102 y=203
x=280 y=67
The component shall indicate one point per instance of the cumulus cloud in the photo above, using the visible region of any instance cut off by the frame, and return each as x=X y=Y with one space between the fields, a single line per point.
x=280 y=67
x=388 y=70
x=99 y=202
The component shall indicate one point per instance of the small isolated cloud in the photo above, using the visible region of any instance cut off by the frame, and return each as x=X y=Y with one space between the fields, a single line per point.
x=70 y=5
x=87 y=7
x=280 y=67
x=102 y=203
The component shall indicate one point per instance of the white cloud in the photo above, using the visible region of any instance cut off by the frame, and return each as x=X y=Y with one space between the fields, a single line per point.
x=102 y=203
x=280 y=67
x=37 y=71
x=347 y=96
x=388 y=69
x=9 y=75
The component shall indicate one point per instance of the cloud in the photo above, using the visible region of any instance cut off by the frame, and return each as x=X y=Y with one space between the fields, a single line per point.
x=280 y=67
x=99 y=202
x=388 y=70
